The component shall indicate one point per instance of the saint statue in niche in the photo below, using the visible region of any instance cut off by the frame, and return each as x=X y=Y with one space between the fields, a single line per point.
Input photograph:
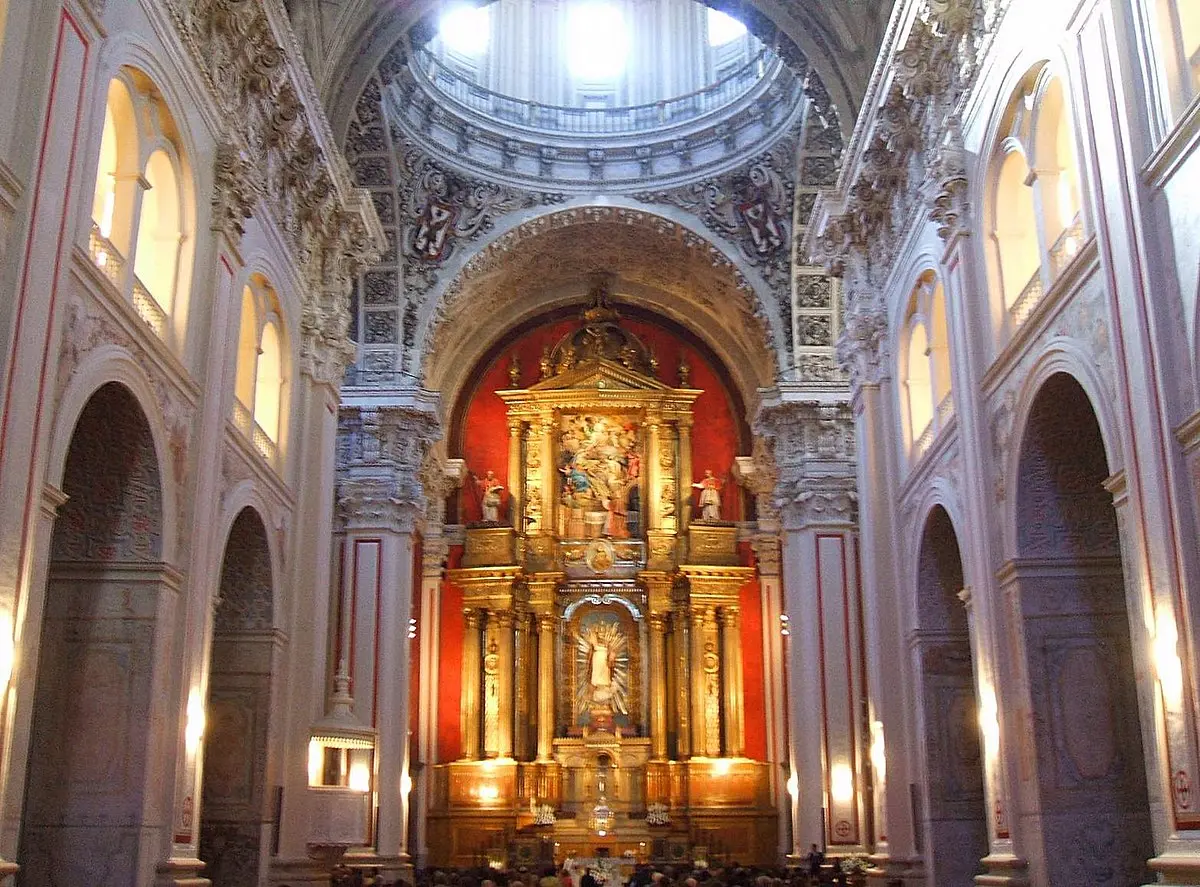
x=710 y=496
x=602 y=670
x=489 y=489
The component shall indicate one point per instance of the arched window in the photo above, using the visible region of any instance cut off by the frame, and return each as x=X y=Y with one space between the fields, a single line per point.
x=1037 y=218
x=925 y=365
x=1016 y=232
x=259 y=387
x=141 y=208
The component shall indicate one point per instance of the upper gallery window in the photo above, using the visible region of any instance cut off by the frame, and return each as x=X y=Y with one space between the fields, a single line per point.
x=1179 y=33
x=140 y=236
x=1037 y=206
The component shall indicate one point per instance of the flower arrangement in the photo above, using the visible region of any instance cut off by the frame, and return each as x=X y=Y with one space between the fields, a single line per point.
x=854 y=864
x=658 y=814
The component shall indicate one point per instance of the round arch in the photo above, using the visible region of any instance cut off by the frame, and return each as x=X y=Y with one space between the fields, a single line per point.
x=725 y=319
x=105 y=364
x=1066 y=356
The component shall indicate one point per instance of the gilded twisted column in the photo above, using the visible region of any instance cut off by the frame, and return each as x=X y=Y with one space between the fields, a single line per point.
x=731 y=656
x=685 y=474
x=658 y=687
x=470 y=685
x=515 y=484
x=545 y=713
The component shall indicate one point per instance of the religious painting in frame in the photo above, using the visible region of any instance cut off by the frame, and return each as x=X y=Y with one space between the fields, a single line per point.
x=600 y=477
x=602 y=658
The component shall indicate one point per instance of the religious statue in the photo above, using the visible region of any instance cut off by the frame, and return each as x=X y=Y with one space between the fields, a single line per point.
x=602 y=669
x=710 y=496
x=489 y=488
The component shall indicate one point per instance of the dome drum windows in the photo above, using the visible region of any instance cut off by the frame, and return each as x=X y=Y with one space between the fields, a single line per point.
x=140 y=210
x=1037 y=219
x=259 y=389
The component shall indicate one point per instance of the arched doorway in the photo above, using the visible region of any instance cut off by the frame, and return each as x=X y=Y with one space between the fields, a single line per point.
x=98 y=678
x=956 y=825
x=1087 y=745
x=235 y=816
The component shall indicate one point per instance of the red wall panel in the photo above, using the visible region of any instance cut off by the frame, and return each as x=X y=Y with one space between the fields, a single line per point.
x=449 y=738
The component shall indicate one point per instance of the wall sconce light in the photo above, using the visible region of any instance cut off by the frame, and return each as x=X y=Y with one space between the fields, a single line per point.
x=341 y=774
x=1166 y=658
x=8 y=651
x=841 y=783
x=412 y=628
x=785 y=627
x=193 y=731
x=722 y=767
x=793 y=786
x=406 y=783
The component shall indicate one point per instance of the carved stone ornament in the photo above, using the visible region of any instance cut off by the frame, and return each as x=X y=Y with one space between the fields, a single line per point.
x=235 y=191
x=862 y=348
x=280 y=138
x=948 y=206
x=377 y=503
x=833 y=502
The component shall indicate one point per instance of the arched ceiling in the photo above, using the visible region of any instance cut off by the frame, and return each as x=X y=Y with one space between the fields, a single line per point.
x=345 y=39
x=669 y=271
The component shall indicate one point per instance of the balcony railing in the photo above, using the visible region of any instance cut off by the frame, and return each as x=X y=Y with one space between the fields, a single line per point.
x=243 y=419
x=945 y=411
x=586 y=121
x=148 y=309
x=1027 y=301
x=105 y=255
x=922 y=443
x=266 y=447
x=1066 y=247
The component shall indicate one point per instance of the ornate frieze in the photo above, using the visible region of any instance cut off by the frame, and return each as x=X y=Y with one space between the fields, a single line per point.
x=814 y=446
x=377 y=503
x=252 y=63
x=383 y=449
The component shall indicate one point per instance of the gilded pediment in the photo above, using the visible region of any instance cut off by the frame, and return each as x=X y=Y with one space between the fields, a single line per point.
x=600 y=374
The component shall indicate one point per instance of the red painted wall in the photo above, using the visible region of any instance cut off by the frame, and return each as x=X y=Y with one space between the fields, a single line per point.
x=484 y=431
x=753 y=677
x=449 y=731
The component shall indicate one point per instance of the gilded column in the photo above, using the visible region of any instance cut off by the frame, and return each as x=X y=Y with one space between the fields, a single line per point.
x=470 y=685
x=658 y=687
x=516 y=484
x=504 y=684
x=699 y=694
x=731 y=656
x=545 y=715
x=653 y=506
x=491 y=685
x=522 y=674
x=681 y=654
x=684 y=490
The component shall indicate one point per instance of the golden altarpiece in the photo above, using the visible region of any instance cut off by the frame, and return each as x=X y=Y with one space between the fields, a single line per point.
x=602 y=688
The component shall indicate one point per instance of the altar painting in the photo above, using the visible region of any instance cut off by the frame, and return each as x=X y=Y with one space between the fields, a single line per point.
x=600 y=467
x=604 y=664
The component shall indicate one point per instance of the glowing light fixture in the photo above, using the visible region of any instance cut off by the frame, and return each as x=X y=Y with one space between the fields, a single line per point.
x=723 y=28
x=194 y=731
x=793 y=786
x=878 y=753
x=1166 y=658
x=841 y=783
x=989 y=721
x=8 y=653
x=722 y=767
x=466 y=29
x=597 y=41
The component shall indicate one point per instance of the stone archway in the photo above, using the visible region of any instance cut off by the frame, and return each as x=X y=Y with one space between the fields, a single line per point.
x=956 y=818
x=235 y=816
x=98 y=679
x=1069 y=585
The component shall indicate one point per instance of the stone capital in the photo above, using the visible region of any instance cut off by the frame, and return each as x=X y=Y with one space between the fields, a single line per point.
x=236 y=191
x=830 y=501
x=377 y=503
